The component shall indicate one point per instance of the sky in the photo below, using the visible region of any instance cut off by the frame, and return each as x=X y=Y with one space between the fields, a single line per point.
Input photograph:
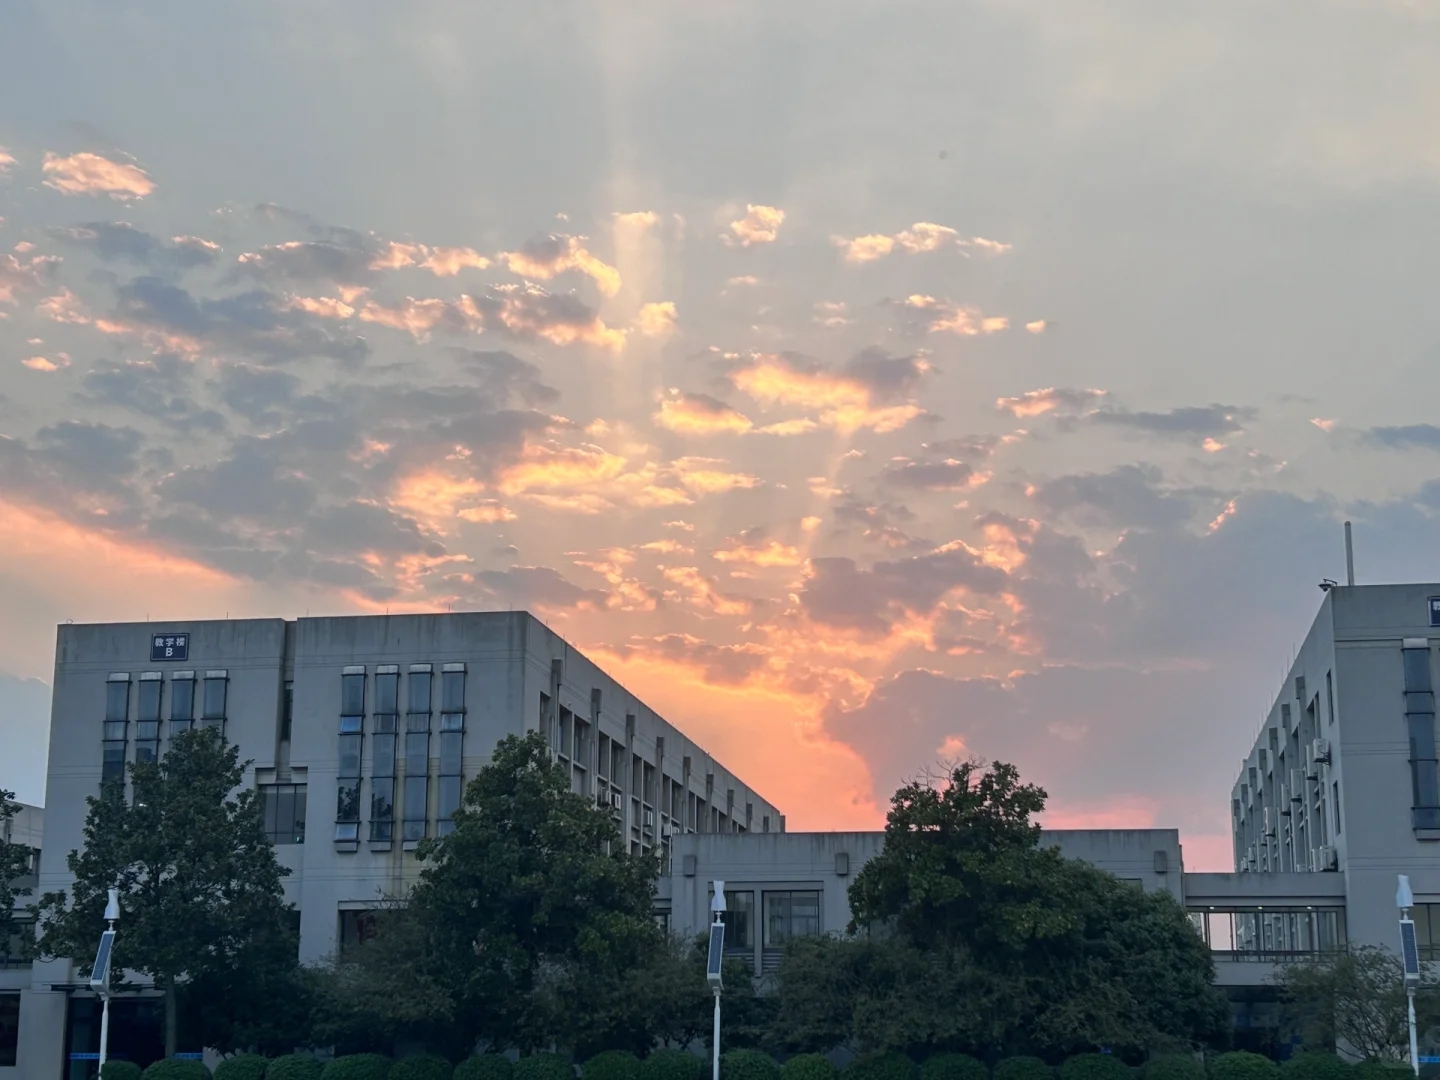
x=864 y=385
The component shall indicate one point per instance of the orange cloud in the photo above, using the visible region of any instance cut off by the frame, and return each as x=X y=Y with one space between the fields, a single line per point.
x=1036 y=327
x=534 y=312
x=41 y=363
x=696 y=414
x=656 y=320
x=863 y=249
x=764 y=556
x=325 y=307
x=994 y=247
x=1039 y=402
x=948 y=317
x=558 y=254
x=844 y=403
x=416 y=317
x=1120 y=812
x=440 y=261
x=548 y=467
x=486 y=512
x=698 y=590
x=760 y=225
x=636 y=224
x=1322 y=423
x=6 y=160
x=91 y=174
x=703 y=476
x=434 y=498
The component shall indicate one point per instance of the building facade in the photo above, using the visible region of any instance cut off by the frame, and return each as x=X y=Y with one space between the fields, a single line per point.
x=25 y=829
x=362 y=732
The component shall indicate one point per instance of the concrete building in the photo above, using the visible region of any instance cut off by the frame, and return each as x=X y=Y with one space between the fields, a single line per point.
x=362 y=732
x=25 y=829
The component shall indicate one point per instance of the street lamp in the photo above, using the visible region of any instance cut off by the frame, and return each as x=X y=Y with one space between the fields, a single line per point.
x=713 y=964
x=1409 y=959
x=100 y=972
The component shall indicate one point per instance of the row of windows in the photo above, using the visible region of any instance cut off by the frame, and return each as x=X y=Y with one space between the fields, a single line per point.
x=788 y=914
x=149 y=703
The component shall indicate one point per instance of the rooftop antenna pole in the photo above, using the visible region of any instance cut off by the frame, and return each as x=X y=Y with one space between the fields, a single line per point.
x=1349 y=557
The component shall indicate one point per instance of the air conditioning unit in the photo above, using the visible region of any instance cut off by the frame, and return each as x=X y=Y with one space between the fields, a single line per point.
x=1312 y=770
x=617 y=800
x=1250 y=859
x=602 y=799
x=649 y=818
x=667 y=831
x=1285 y=801
x=1322 y=751
x=1269 y=823
x=1327 y=858
x=1297 y=786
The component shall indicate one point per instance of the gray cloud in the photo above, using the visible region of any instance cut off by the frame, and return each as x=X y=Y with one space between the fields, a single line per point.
x=887 y=376
x=1190 y=420
x=1425 y=436
x=841 y=594
x=724 y=665
x=121 y=240
x=947 y=475
x=535 y=586
x=1129 y=496
x=160 y=388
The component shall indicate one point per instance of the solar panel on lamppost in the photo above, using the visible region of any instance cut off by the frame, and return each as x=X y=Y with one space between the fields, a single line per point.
x=714 y=963
x=100 y=972
x=1409 y=959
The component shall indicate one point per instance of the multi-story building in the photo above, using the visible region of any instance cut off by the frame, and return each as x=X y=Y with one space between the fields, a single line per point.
x=25 y=829
x=361 y=732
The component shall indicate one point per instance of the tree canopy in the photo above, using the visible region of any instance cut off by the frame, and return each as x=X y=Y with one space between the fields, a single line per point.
x=201 y=893
x=14 y=865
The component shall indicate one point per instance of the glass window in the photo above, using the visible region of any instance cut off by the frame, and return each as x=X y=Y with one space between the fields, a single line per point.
x=739 y=920
x=347 y=807
x=417 y=792
x=419 y=692
x=356 y=928
x=351 y=725
x=287 y=712
x=182 y=699
x=149 y=708
x=1427 y=930
x=18 y=950
x=112 y=768
x=1417 y=668
x=9 y=1028
x=387 y=693
x=117 y=701
x=115 y=729
x=789 y=915
x=350 y=756
x=284 y=806
x=214 y=703
x=452 y=721
x=382 y=809
x=452 y=691
x=450 y=793
x=352 y=695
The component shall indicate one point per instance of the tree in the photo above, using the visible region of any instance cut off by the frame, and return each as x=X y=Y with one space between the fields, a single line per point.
x=201 y=895
x=1356 y=996
x=14 y=865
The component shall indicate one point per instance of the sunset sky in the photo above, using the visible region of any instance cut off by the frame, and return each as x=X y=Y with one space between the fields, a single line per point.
x=863 y=384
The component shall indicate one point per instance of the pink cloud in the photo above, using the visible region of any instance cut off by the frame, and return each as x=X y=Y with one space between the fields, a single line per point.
x=91 y=174
x=760 y=225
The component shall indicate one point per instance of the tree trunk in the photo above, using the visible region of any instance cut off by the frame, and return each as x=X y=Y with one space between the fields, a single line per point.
x=172 y=1020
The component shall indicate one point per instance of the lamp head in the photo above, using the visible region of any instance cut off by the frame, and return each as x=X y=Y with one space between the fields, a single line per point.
x=112 y=906
x=1403 y=897
x=717 y=900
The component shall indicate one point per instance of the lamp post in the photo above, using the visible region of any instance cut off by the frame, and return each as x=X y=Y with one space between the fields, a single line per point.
x=100 y=972
x=713 y=964
x=1409 y=959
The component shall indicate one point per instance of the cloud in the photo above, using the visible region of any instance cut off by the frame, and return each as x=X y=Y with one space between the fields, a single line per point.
x=42 y=363
x=766 y=555
x=20 y=277
x=1193 y=420
x=846 y=399
x=6 y=161
x=1128 y=496
x=440 y=261
x=923 y=236
x=310 y=260
x=114 y=240
x=760 y=225
x=588 y=479
x=921 y=312
x=725 y=665
x=1039 y=402
x=839 y=593
x=1036 y=326
x=947 y=475
x=91 y=174
x=544 y=259
x=1424 y=436
x=539 y=587
x=700 y=414
x=656 y=320
x=692 y=587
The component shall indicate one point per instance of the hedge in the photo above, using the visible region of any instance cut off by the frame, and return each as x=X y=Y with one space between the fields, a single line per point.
x=241 y=1067
x=668 y=1065
x=544 y=1067
x=612 y=1065
x=176 y=1069
x=115 y=1069
x=1022 y=1068
x=748 y=1065
x=294 y=1067
x=809 y=1067
x=1174 y=1067
x=421 y=1067
x=1094 y=1067
x=1370 y=1069
x=484 y=1067
x=954 y=1067
x=1243 y=1065
x=357 y=1067
x=1316 y=1065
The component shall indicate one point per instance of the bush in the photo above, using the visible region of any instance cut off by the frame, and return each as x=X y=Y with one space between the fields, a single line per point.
x=612 y=1065
x=668 y=1065
x=357 y=1067
x=544 y=1067
x=955 y=1067
x=241 y=1067
x=294 y=1067
x=1094 y=1067
x=485 y=1067
x=809 y=1067
x=748 y=1065
x=116 y=1069
x=1371 y=1069
x=1022 y=1068
x=1316 y=1065
x=1174 y=1067
x=1243 y=1065
x=176 y=1069
x=421 y=1067
x=891 y=1066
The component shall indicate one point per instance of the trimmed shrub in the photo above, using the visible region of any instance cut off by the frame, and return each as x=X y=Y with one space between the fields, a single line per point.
x=294 y=1067
x=176 y=1069
x=669 y=1064
x=1022 y=1068
x=115 y=1069
x=1372 y=1069
x=889 y=1066
x=1316 y=1065
x=955 y=1067
x=1174 y=1067
x=748 y=1065
x=241 y=1067
x=544 y=1067
x=612 y=1065
x=1094 y=1067
x=485 y=1067
x=357 y=1067
x=809 y=1067
x=421 y=1067
x=1243 y=1065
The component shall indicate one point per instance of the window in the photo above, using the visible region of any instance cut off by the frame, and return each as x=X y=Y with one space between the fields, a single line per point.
x=1427 y=930
x=352 y=720
x=117 y=717
x=147 y=718
x=17 y=950
x=789 y=915
x=739 y=920
x=284 y=806
x=182 y=703
x=382 y=779
x=1271 y=933
x=1335 y=802
x=9 y=1028
x=356 y=928
x=212 y=712
x=417 y=756
x=452 y=744
x=1330 y=695
x=352 y=694
x=1420 y=722
x=287 y=712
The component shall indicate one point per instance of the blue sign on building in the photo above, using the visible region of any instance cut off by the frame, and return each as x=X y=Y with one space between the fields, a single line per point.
x=170 y=647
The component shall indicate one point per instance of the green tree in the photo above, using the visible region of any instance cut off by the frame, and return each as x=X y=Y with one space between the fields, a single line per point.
x=201 y=893
x=1357 y=996
x=14 y=865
